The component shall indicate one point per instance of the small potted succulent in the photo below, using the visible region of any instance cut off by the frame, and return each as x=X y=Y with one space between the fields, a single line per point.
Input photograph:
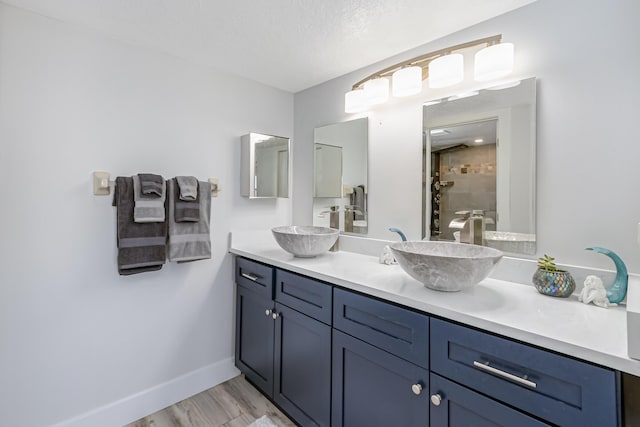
x=548 y=280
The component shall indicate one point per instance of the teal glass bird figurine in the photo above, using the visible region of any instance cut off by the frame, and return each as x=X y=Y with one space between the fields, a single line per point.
x=619 y=289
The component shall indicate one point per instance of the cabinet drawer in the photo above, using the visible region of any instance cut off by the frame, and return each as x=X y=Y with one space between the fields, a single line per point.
x=555 y=388
x=255 y=276
x=397 y=330
x=306 y=295
x=456 y=406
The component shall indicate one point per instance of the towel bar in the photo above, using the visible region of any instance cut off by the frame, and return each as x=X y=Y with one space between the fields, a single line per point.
x=102 y=184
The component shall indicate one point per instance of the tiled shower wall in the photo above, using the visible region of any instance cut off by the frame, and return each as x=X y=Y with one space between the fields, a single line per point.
x=473 y=172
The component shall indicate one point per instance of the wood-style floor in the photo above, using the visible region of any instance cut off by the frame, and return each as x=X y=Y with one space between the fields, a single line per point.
x=235 y=403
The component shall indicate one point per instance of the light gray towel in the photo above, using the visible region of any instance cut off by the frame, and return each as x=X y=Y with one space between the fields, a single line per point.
x=148 y=208
x=190 y=241
x=188 y=188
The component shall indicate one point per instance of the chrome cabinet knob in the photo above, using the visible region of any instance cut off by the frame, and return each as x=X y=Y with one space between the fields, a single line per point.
x=267 y=312
x=436 y=399
x=416 y=389
x=275 y=315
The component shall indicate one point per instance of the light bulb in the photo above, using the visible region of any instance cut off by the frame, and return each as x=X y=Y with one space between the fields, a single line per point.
x=446 y=70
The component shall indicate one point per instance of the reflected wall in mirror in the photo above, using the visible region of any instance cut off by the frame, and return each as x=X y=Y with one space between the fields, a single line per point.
x=265 y=166
x=340 y=184
x=479 y=155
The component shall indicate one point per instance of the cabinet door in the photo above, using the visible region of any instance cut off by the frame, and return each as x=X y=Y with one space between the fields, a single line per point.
x=254 y=338
x=303 y=367
x=453 y=405
x=374 y=388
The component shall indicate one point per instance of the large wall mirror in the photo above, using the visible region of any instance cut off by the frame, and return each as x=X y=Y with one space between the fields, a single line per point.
x=479 y=155
x=340 y=185
x=265 y=166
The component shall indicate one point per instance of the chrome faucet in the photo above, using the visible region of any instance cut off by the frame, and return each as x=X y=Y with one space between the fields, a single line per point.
x=334 y=222
x=471 y=225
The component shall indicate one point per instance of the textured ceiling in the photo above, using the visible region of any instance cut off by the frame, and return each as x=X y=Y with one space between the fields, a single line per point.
x=288 y=44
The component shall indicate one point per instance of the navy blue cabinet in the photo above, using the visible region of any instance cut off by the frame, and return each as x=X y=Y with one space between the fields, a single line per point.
x=302 y=385
x=555 y=388
x=455 y=406
x=254 y=338
x=335 y=358
x=283 y=346
x=374 y=388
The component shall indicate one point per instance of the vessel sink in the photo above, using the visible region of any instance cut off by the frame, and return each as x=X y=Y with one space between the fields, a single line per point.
x=446 y=266
x=305 y=241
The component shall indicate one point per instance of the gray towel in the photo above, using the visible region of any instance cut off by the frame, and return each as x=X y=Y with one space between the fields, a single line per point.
x=189 y=241
x=147 y=208
x=152 y=185
x=188 y=188
x=185 y=211
x=141 y=247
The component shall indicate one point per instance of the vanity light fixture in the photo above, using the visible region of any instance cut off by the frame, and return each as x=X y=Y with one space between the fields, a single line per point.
x=442 y=68
x=407 y=81
x=478 y=140
x=446 y=70
x=376 y=91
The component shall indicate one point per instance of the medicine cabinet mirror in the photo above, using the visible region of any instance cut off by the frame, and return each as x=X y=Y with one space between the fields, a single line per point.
x=479 y=154
x=265 y=166
x=340 y=184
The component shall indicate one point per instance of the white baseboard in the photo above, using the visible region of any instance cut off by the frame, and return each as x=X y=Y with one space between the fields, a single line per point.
x=153 y=399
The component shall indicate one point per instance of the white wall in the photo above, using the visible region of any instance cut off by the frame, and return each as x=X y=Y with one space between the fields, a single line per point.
x=587 y=156
x=75 y=336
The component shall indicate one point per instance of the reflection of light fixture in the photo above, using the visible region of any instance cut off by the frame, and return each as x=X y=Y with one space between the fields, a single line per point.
x=376 y=91
x=446 y=70
x=463 y=95
x=436 y=132
x=442 y=68
x=407 y=81
x=478 y=140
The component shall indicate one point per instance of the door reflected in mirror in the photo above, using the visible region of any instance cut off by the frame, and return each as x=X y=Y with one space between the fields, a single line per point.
x=479 y=158
x=340 y=184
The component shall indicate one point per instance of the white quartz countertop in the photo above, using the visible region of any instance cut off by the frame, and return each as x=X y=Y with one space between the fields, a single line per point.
x=513 y=310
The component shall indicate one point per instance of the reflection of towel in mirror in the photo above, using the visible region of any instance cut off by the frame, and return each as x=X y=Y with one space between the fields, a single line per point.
x=141 y=246
x=148 y=208
x=186 y=210
x=189 y=241
x=152 y=185
x=357 y=200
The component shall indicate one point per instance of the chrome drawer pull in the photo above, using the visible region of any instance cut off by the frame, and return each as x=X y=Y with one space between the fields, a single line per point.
x=250 y=277
x=498 y=372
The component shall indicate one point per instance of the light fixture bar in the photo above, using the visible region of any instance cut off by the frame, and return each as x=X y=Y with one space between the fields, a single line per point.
x=423 y=60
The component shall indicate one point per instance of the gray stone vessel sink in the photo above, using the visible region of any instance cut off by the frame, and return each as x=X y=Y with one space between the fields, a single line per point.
x=305 y=241
x=446 y=266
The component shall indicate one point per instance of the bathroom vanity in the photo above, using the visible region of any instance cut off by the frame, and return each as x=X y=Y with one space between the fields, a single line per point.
x=341 y=340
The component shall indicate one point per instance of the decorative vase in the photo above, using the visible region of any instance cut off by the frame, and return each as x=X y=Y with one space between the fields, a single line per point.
x=554 y=283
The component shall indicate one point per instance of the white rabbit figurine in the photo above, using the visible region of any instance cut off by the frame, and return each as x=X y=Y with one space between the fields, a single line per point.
x=595 y=292
x=386 y=257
